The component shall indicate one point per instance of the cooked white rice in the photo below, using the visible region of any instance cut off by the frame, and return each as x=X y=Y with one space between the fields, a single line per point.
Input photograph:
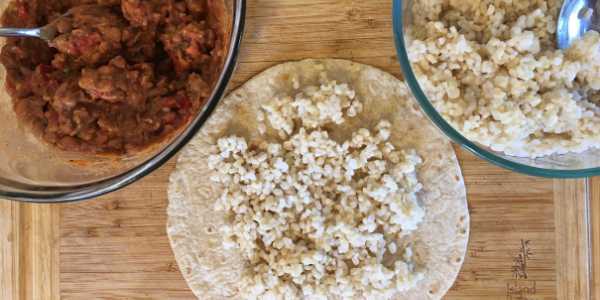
x=306 y=211
x=493 y=70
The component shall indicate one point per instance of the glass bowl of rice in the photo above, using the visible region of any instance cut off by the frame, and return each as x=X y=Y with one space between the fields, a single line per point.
x=494 y=81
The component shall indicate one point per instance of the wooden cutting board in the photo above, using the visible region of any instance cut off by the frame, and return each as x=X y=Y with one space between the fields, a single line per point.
x=530 y=237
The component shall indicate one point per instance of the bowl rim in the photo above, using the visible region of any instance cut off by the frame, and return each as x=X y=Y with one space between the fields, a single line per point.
x=452 y=133
x=17 y=191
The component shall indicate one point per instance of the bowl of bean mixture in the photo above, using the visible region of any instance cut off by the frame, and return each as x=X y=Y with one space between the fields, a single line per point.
x=118 y=92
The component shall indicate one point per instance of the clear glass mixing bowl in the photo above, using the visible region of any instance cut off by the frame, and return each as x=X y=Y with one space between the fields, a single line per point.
x=571 y=165
x=31 y=171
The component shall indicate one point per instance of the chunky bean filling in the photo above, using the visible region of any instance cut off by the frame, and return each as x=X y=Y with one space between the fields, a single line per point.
x=122 y=75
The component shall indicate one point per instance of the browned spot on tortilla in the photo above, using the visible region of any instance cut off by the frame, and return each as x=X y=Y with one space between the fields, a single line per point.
x=435 y=289
x=210 y=229
x=282 y=78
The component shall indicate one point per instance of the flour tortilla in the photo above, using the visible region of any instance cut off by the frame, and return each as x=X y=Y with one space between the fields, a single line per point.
x=439 y=244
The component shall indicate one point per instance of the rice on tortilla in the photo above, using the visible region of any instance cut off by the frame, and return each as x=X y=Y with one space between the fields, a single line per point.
x=438 y=244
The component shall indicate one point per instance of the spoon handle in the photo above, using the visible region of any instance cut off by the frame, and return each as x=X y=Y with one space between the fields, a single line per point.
x=20 y=32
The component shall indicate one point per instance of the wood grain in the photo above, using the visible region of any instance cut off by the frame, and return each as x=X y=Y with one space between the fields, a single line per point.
x=9 y=250
x=40 y=246
x=594 y=202
x=285 y=30
x=572 y=244
x=30 y=251
x=116 y=246
x=505 y=208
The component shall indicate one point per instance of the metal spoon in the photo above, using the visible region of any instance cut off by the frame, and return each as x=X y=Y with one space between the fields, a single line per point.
x=47 y=33
x=576 y=18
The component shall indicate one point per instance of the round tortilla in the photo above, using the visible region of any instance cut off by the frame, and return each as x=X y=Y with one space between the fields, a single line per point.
x=440 y=242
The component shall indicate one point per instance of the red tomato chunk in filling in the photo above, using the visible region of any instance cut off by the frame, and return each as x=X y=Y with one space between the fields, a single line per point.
x=122 y=76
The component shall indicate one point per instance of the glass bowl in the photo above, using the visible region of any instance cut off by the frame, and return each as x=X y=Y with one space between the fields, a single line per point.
x=33 y=172
x=571 y=165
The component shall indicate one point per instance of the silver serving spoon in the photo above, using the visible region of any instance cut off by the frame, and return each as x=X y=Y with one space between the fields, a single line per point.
x=576 y=18
x=47 y=33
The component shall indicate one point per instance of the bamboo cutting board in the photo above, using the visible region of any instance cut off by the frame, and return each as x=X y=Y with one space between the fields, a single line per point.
x=530 y=237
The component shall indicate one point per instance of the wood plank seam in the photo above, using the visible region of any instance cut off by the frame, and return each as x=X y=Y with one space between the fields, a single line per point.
x=588 y=220
x=9 y=250
x=572 y=239
x=36 y=230
x=594 y=204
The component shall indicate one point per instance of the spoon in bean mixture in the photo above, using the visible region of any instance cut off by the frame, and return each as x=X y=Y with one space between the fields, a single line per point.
x=47 y=33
